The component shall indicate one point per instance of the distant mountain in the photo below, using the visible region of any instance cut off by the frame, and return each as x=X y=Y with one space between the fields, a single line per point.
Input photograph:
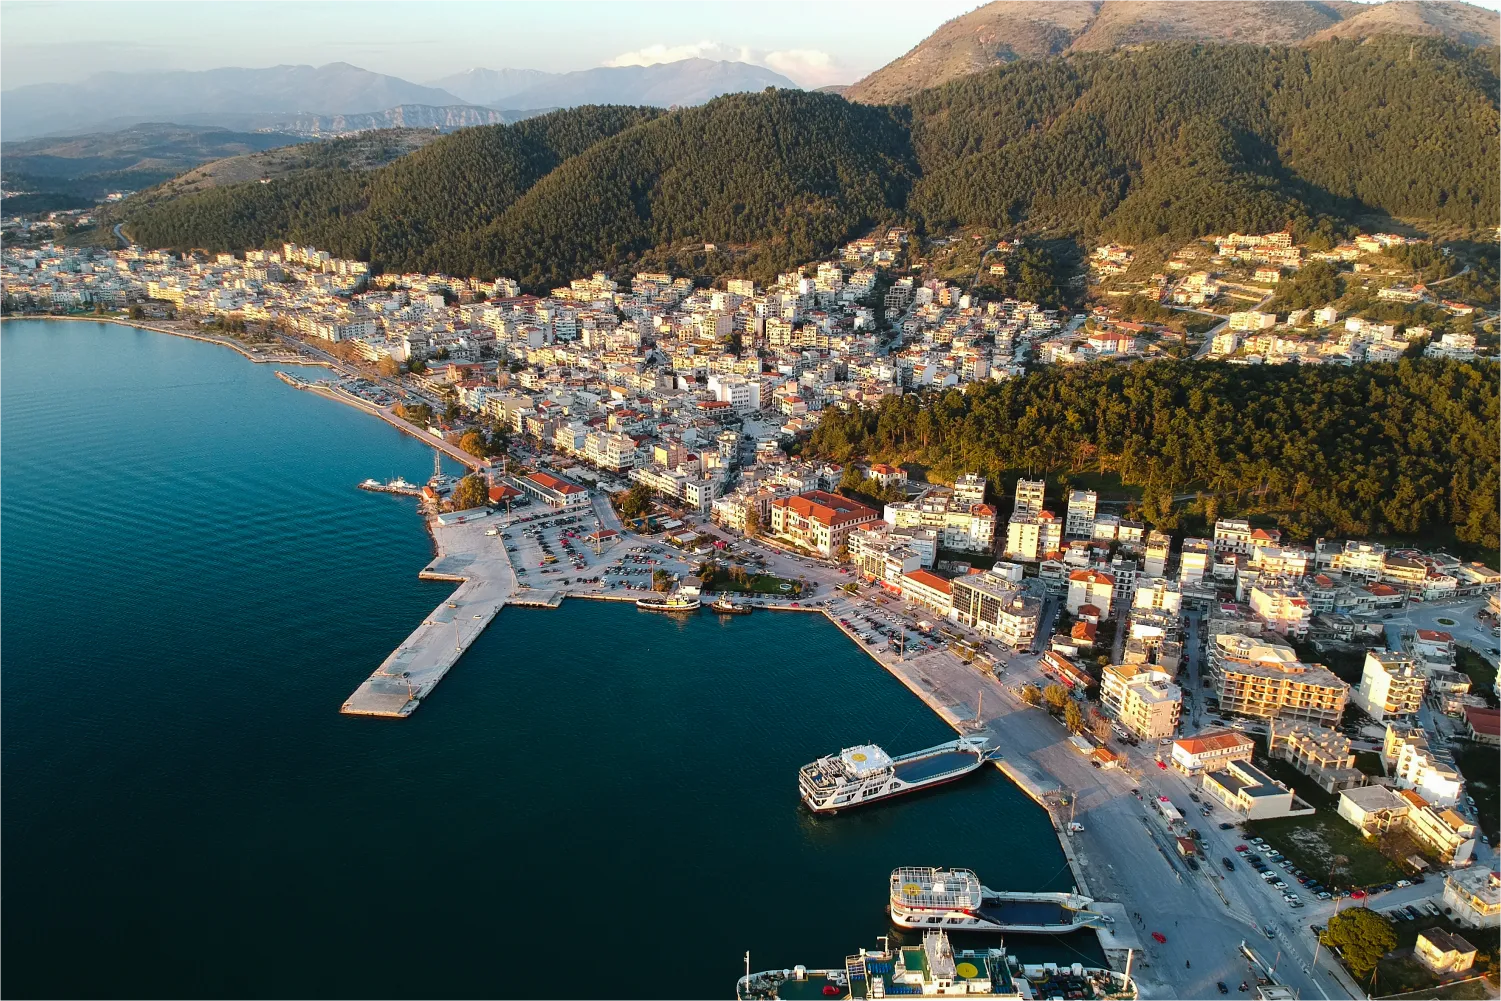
x=685 y=82
x=491 y=87
x=1009 y=30
x=220 y=96
x=1460 y=22
x=404 y=116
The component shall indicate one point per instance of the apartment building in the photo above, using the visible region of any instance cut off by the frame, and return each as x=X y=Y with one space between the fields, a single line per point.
x=1194 y=560
x=1144 y=699
x=1391 y=686
x=1413 y=764
x=1159 y=545
x=1029 y=496
x=1157 y=593
x=1261 y=676
x=1285 y=610
x=818 y=520
x=1090 y=588
x=970 y=489
x=880 y=556
x=1033 y=537
x=1210 y=749
x=1081 y=511
x=959 y=524
x=1473 y=895
x=1442 y=830
x=1232 y=535
x=1250 y=793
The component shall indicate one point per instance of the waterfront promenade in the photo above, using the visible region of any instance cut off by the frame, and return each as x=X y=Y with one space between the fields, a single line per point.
x=487 y=583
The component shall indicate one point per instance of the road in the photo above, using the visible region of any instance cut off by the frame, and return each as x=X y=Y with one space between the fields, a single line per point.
x=1209 y=336
x=120 y=235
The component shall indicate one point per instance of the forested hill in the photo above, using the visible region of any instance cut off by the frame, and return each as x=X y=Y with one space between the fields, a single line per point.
x=1401 y=448
x=1176 y=140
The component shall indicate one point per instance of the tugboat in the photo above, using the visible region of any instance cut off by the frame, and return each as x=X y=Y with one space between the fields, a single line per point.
x=724 y=606
x=670 y=603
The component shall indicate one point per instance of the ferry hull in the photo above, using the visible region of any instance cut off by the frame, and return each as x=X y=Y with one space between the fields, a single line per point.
x=892 y=794
x=909 y=773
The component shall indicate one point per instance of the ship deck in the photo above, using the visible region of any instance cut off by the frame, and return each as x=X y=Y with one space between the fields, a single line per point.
x=1043 y=913
x=934 y=765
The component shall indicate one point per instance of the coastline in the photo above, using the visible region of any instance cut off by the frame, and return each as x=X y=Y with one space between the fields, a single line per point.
x=285 y=358
x=1036 y=786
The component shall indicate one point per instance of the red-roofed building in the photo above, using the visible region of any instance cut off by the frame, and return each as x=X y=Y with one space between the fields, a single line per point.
x=501 y=493
x=929 y=590
x=1210 y=750
x=1090 y=587
x=1085 y=632
x=819 y=520
x=1484 y=724
x=554 y=491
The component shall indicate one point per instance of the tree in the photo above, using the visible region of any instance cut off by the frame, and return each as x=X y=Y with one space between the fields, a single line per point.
x=635 y=502
x=419 y=414
x=1031 y=694
x=388 y=368
x=472 y=491
x=752 y=521
x=474 y=443
x=1362 y=935
x=661 y=580
x=1055 y=696
x=1073 y=716
x=1099 y=725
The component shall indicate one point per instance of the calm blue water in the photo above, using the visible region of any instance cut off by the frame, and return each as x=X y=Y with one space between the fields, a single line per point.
x=192 y=586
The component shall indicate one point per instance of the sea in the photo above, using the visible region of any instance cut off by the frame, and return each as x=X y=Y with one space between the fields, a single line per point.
x=596 y=802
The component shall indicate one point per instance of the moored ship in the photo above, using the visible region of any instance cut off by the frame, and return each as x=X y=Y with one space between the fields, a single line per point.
x=953 y=899
x=669 y=603
x=933 y=968
x=867 y=774
x=724 y=606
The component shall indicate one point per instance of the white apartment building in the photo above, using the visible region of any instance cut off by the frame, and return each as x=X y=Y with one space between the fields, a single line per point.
x=1033 y=536
x=1090 y=587
x=1232 y=535
x=1029 y=496
x=1193 y=561
x=1158 y=593
x=1390 y=686
x=1414 y=765
x=1081 y=511
x=1159 y=545
x=996 y=606
x=970 y=489
x=1285 y=610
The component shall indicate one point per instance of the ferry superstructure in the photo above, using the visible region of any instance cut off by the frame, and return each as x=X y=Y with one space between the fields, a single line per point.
x=931 y=969
x=867 y=774
x=954 y=900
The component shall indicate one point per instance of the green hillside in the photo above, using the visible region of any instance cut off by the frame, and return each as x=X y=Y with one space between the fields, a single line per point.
x=1168 y=140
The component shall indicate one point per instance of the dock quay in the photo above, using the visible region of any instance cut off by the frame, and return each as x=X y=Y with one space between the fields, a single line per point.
x=487 y=583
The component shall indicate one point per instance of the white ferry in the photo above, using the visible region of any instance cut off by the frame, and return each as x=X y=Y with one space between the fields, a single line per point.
x=670 y=603
x=934 y=968
x=867 y=774
x=954 y=900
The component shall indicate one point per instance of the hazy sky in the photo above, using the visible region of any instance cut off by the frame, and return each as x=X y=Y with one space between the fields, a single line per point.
x=814 y=42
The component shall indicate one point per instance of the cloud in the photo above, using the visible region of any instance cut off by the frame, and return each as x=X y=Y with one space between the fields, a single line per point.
x=806 y=67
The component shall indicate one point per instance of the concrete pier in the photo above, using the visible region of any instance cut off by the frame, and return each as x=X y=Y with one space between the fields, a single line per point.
x=486 y=584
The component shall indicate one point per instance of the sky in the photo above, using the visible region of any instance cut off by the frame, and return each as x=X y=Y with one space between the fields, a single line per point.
x=813 y=42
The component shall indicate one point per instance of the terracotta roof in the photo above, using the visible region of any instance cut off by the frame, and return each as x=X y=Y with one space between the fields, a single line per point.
x=1435 y=636
x=932 y=580
x=1486 y=721
x=1211 y=741
x=826 y=508
x=553 y=483
x=1092 y=577
x=1084 y=630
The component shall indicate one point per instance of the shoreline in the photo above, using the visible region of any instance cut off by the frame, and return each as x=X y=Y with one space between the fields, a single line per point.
x=223 y=342
x=1034 y=786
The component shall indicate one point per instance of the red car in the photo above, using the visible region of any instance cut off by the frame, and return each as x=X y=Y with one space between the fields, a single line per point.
x=1161 y=938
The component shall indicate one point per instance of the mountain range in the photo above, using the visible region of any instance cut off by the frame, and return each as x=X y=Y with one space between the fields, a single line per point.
x=340 y=97
x=1163 y=141
x=1008 y=30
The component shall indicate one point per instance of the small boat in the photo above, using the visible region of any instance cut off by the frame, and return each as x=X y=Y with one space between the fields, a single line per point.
x=669 y=603
x=724 y=606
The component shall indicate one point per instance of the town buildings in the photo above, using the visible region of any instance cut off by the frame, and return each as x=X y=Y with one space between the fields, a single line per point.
x=1390 y=686
x=1144 y=699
